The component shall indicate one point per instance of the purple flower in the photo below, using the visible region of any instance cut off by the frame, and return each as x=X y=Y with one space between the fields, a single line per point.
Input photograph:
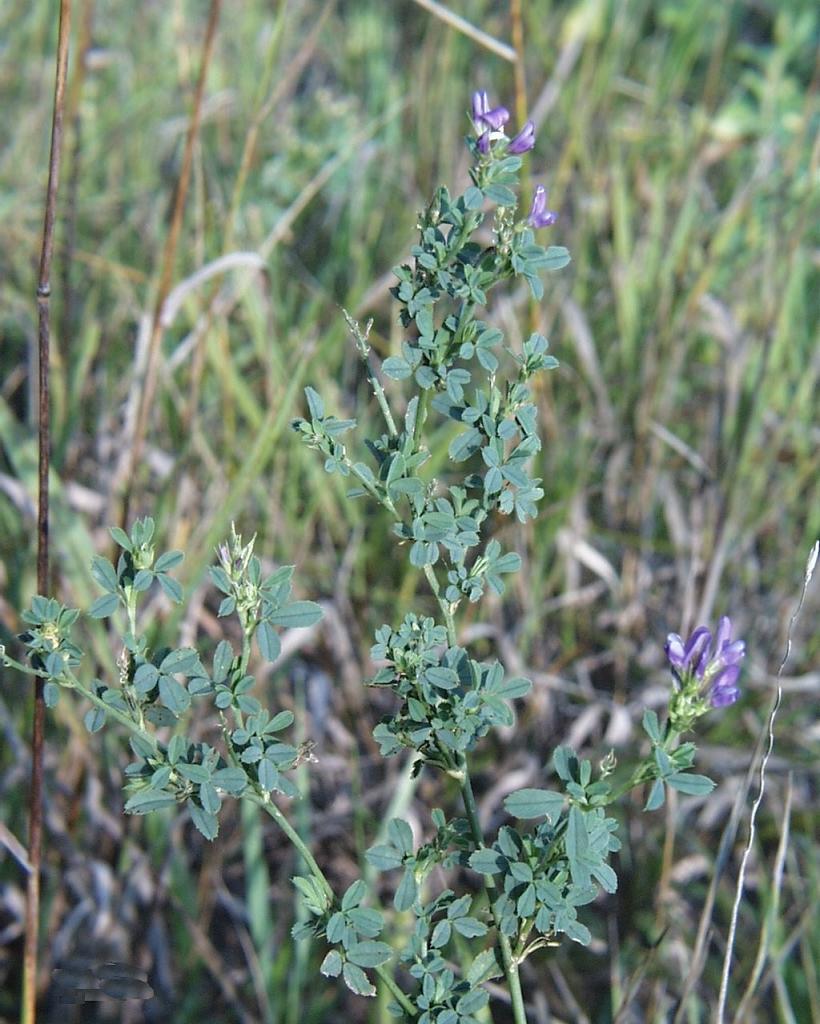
x=484 y=115
x=488 y=121
x=711 y=668
x=480 y=104
x=540 y=216
x=524 y=140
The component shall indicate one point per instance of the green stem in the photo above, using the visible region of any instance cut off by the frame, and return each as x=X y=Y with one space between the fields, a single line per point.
x=375 y=383
x=421 y=418
x=382 y=499
x=443 y=604
x=270 y=808
x=646 y=770
x=509 y=962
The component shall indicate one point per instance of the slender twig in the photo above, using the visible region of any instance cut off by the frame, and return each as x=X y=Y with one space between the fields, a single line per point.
x=29 y=1001
x=126 y=471
x=764 y=762
x=468 y=29
x=508 y=961
x=363 y=348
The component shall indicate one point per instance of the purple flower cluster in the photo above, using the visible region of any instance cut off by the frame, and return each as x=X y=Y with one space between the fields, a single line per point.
x=489 y=123
x=713 y=666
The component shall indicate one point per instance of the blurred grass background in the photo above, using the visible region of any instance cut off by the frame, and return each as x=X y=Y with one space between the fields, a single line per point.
x=679 y=142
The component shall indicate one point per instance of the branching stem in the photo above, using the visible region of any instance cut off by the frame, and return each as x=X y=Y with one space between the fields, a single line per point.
x=508 y=960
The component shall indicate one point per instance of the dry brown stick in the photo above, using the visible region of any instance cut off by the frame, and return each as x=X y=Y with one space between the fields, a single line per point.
x=126 y=471
x=35 y=835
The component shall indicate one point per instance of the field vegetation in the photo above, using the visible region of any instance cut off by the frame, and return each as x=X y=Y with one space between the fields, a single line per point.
x=678 y=139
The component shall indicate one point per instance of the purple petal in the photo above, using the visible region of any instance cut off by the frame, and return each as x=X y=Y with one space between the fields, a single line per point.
x=674 y=650
x=696 y=652
x=732 y=653
x=724 y=633
x=540 y=216
x=724 y=689
x=480 y=104
x=495 y=118
x=524 y=140
x=484 y=143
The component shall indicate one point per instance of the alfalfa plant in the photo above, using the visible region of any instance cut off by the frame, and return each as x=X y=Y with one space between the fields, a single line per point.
x=552 y=859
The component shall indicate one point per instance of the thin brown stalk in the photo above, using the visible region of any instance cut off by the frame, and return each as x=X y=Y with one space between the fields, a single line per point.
x=28 y=1010
x=126 y=471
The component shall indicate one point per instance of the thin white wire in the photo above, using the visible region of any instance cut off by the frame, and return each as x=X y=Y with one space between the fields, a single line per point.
x=727 y=960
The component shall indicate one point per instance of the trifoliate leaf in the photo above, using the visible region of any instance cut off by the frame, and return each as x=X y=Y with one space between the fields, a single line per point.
x=534 y=803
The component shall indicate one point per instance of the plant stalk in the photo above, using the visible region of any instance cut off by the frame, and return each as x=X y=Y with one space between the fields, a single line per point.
x=281 y=820
x=508 y=960
x=28 y=1007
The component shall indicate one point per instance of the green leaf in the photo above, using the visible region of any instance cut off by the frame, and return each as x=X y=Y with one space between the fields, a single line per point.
x=177 y=748
x=206 y=823
x=407 y=890
x=232 y=780
x=331 y=966
x=500 y=195
x=148 y=800
x=167 y=561
x=353 y=897
x=174 y=695
x=555 y=258
x=209 y=798
x=143 y=580
x=513 y=688
x=525 y=906
x=651 y=725
x=483 y=968
x=296 y=614
x=383 y=857
x=197 y=773
x=367 y=922
x=487 y=862
x=656 y=796
x=690 y=783
x=577 y=846
x=534 y=803
x=268 y=774
x=270 y=646
x=465 y=444
x=473 y=198
x=336 y=927
x=51 y=694
x=184 y=660
x=145 y=678
x=369 y=953
x=94 y=719
x=356 y=980
x=223 y=657
x=120 y=537
x=441 y=677
x=280 y=721
x=472 y=1002
x=103 y=572
x=400 y=835
x=171 y=587
x=470 y=927
x=397 y=368
x=104 y=606
x=315 y=404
